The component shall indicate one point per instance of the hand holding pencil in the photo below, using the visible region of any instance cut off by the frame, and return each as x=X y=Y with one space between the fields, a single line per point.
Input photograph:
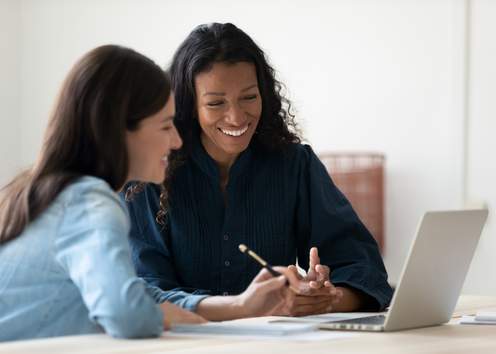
x=243 y=248
x=309 y=295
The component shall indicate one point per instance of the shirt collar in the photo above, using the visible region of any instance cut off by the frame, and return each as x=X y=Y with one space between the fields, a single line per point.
x=208 y=165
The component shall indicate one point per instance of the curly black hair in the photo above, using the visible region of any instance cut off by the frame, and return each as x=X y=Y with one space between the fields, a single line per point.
x=212 y=43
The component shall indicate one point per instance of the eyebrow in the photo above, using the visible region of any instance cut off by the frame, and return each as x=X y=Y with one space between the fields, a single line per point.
x=213 y=93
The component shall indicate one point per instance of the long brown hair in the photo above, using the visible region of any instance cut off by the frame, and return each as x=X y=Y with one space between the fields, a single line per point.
x=108 y=91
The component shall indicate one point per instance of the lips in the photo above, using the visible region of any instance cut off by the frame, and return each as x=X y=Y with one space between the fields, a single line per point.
x=234 y=132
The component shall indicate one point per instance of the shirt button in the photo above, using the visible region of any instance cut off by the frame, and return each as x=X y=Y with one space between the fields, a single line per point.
x=225 y=293
x=227 y=263
x=226 y=237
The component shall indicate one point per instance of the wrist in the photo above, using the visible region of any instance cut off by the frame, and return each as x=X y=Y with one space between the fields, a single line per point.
x=238 y=307
x=221 y=308
x=350 y=301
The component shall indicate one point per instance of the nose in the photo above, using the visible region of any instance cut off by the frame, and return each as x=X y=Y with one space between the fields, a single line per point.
x=235 y=115
x=176 y=141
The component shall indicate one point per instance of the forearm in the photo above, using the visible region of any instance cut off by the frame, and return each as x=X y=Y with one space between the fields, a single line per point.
x=221 y=308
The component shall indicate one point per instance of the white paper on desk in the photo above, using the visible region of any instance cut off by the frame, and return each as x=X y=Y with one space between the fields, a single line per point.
x=236 y=328
x=474 y=321
x=326 y=317
x=313 y=336
x=486 y=316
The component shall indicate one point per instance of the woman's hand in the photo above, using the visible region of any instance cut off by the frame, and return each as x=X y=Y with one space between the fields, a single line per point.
x=317 y=280
x=175 y=314
x=264 y=294
x=314 y=293
x=262 y=297
x=307 y=299
x=318 y=274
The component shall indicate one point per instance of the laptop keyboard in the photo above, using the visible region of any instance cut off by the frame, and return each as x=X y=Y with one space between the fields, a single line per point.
x=372 y=320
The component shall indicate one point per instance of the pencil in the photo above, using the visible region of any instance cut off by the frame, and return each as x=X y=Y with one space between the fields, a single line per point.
x=243 y=248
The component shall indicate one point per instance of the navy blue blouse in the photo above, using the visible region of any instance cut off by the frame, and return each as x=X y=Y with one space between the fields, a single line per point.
x=278 y=204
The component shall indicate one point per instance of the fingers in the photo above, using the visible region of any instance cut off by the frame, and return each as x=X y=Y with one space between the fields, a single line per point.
x=312 y=300
x=291 y=274
x=313 y=261
x=288 y=275
x=294 y=269
x=322 y=278
x=262 y=275
x=314 y=257
x=318 y=274
x=313 y=288
x=297 y=283
x=331 y=288
x=302 y=305
x=323 y=272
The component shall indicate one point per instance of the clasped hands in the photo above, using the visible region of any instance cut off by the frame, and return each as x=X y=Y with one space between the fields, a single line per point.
x=310 y=294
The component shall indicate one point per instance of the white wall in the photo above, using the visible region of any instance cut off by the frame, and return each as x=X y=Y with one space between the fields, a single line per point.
x=381 y=75
x=9 y=88
x=482 y=130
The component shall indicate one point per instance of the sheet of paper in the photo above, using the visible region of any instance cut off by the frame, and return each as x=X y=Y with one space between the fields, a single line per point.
x=239 y=328
x=302 y=337
x=486 y=316
x=474 y=321
x=326 y=317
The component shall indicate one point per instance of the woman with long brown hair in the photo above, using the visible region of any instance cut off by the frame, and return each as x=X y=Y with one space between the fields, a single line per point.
x=64 y=255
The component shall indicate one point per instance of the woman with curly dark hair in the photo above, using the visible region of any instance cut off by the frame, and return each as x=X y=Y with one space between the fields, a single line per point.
x=242 y=176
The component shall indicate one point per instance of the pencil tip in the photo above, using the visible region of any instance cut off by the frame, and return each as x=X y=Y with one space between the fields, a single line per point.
x=242 y=247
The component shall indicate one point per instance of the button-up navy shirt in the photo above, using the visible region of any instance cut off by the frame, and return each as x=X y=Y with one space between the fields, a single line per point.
x=278 y=204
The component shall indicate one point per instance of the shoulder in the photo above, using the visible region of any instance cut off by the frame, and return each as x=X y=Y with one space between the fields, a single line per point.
x=301 y=162
x=293 y=155
x=92 y=200
x=300 y=151
x=89 y=189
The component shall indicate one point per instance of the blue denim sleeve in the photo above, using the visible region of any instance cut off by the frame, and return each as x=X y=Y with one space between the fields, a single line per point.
x=151 y=255
x=94 y=250
x=326 y=219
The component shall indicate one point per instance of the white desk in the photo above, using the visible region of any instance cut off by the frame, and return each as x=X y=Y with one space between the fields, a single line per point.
x=448 y=339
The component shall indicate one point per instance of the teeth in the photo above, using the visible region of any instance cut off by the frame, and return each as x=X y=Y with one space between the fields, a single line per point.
x=234 y=132
x=165 y=158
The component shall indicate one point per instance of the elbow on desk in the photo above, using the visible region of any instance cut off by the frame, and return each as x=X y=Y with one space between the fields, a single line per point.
x=125 y=318
x=131 y=325
x=129 y=312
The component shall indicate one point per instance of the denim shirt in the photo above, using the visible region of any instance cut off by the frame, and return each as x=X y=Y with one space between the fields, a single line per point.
x=70 y=271
x=279 y=204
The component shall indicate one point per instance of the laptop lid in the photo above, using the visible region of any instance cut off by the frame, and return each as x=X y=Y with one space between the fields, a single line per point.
x=435 y=270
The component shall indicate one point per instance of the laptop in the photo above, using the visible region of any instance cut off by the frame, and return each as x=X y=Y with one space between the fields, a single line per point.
x=432 y=277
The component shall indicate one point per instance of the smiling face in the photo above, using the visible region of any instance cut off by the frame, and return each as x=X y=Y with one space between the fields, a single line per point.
x=150 y=144
x=229 y=106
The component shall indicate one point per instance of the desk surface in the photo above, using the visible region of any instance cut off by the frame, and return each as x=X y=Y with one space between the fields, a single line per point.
x=450 y=338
